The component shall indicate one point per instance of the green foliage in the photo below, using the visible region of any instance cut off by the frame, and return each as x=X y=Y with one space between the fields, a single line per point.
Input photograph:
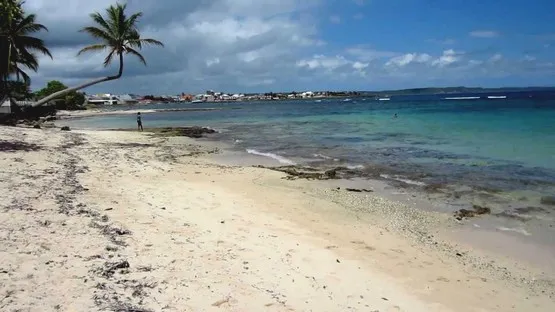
x=17 y=45
x=9 y=9
x=118 y=33
x=18 y=90
x=73 y=100
x=51 y=87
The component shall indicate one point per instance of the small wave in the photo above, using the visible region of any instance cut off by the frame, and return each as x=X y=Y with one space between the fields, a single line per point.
x=497 y=97
x=462 y=98
x=322 y=156
x=402 y=179
x=355 y=167
x=517 y=230
x=238 y=141
x=280 y=159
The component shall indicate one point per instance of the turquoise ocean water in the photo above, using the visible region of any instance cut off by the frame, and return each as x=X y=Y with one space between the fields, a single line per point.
x=503 y=144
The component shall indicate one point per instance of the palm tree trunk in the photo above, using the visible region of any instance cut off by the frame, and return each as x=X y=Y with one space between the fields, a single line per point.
x=82 y=86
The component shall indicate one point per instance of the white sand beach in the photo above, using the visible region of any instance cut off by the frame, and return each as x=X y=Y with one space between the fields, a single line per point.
x=125 y=221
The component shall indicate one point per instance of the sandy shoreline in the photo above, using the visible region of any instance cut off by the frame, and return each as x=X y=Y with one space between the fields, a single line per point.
x=103 y=112
x=114 y=220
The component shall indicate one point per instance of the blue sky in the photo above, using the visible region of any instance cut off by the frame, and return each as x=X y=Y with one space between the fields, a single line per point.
x=274 y=45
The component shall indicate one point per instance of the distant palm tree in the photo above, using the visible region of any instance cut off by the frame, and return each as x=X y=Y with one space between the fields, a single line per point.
x=18 y=47
x=119 y=35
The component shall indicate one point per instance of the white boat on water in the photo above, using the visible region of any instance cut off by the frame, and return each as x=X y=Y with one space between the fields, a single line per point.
x=197 y=101
x=462 y=98
x=347 y=100
x=384 y=99
x=497 y=97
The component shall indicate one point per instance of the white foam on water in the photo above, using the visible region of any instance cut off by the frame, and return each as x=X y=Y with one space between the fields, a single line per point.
x=354 y=167
x=517 y=230
x=321 y=156
x=387 y=176
x=280 y=159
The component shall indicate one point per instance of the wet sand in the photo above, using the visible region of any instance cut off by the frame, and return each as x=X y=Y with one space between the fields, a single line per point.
x=122 y=221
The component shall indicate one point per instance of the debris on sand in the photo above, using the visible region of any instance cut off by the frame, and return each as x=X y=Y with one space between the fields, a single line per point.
x=477 y=210
x=359 y=190
x=13 y=146
x=297 y=172
x=191 y=132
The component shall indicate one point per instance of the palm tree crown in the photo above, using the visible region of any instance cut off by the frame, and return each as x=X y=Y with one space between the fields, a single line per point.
x=19 y=46
x=119 y=35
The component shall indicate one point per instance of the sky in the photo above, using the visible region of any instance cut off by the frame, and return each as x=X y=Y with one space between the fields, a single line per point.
x=285 y=45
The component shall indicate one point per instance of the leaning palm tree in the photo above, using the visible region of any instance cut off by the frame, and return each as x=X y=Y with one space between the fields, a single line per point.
x=18 y=47
x=119 y=35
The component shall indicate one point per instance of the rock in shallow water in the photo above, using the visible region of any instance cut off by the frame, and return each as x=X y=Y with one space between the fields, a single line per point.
x=191 y=132
x=548 y=200
x=477 y=210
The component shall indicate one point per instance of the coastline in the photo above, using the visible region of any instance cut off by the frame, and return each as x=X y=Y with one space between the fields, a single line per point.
x=157 y=221
x=63 y=114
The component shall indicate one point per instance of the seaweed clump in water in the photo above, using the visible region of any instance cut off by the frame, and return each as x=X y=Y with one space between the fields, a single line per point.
x=477 y=211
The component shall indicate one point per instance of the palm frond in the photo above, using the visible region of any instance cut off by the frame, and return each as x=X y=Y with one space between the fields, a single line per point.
x=99 y=19
x=114 y=18
x=28 y=25
x=24 y=75
x=27 y=59
x=118 y=33
x=132 y=20
x=109 y=58
x=154 y=42
x=98 y=33
x=137 y=54
x=34 y=44
x=91 y=48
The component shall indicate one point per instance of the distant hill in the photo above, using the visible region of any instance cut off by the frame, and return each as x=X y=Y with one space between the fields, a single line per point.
x=417 y=91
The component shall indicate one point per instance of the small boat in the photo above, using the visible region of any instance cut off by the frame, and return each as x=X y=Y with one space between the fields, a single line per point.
x=384 y=99
x=497 y=97
x=462 y=98
x=197 y=101
x=347 y=100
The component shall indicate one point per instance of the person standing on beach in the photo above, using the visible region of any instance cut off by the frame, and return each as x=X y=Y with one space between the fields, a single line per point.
x=139 y=122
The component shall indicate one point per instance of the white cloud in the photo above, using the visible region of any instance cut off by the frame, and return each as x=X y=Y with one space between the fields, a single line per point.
x=529 y=58
x=449 y=57
x=368 y=54
x=406 y=59
x=359 y=66
x=484 y=34
x=336 y=19
x=216 y=41
x=247 y=46
x=324 y=62
x=496 y=58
